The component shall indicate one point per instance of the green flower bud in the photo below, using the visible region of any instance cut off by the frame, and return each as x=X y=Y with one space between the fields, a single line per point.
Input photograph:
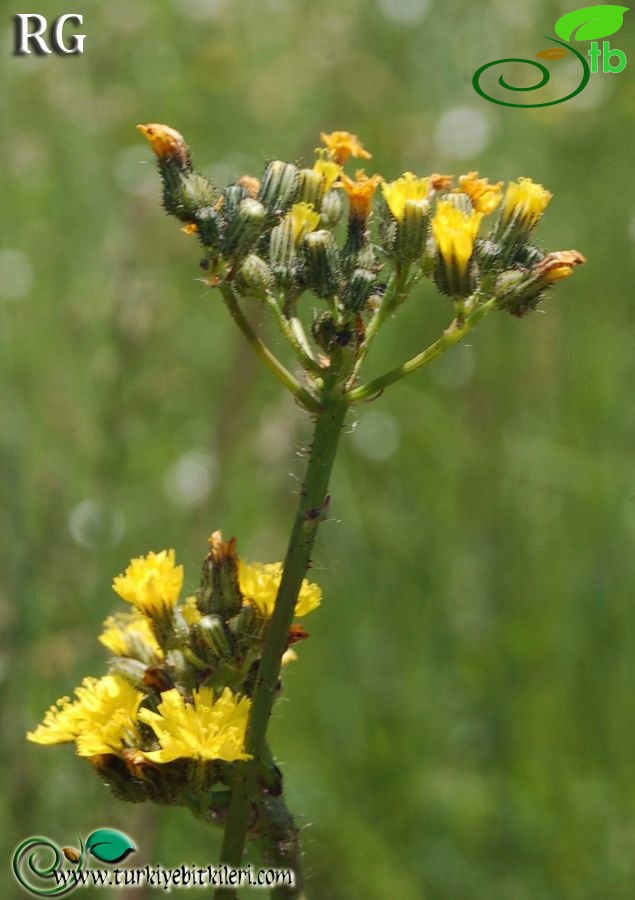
x=311 y=187
x=244 y=228
x=360 y=286
x=208 y=223
x=219 y=591
x=321 y=263
x=279 y=186
x=332 y=208
x=254 y=278
x=210 y=633
x=185 y=193
x=131 y=669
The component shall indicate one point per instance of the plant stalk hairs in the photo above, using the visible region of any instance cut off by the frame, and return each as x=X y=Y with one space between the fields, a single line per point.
x=181 y=718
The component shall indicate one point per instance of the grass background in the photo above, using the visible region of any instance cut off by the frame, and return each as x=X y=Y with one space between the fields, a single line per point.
x=460 y=725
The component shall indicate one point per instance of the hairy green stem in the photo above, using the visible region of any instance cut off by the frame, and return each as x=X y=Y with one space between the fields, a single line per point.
x=292 y=335
x=311 y=511
x=270 y=360
x=391 y=298
x=452 y=335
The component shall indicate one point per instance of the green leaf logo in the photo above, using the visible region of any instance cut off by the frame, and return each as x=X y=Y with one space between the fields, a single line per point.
x=591 y=22
x=108 y=845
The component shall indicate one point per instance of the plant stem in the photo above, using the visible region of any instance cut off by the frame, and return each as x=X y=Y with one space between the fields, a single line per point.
x=452 y=335
x=287 y=329
x=271 y=361
x=391 y=298
x=311 y=511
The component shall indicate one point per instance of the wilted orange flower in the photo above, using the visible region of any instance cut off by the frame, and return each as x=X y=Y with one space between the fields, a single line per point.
x=440 y=182
x=559 y=264
x=251 y=184
x=360 y=192
x=342 y=145
x=167 y=143
x=485 y=197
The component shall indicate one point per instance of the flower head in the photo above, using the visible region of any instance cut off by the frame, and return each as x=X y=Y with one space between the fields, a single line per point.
x=152 y=583
x=454 y=233
x=302 y=219
x=399 y=192
x=167 y=143
x=329 y=170
x=259 y=584
x=485 y=197
x=342 y=145
x=99 y=720
x=525 y=201
x=204 y=729
x=360 y=193
x=130 y=634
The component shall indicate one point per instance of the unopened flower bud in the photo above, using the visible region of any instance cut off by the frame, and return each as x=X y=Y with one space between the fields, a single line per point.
x=208 y=223
x=220 y=591
x=210 y=634
x=311 y=186
x=254 y=278
x=131 y=669
x=324 y=330
x=279 y=186
x=244 y=228
x=332 y=208
x=322 y=265
x=360 y=286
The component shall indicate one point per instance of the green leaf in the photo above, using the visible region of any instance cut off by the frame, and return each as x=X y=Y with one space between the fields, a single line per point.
x=108 y=845
x=591 y=22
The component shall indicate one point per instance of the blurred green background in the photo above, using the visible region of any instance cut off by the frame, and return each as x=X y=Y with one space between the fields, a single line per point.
x=460 y=725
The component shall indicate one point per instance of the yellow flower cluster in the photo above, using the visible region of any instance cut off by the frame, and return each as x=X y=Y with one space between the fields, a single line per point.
x=105 y=715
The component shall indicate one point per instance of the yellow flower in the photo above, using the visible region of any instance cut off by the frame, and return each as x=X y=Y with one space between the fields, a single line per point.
x=329 y=170
x=101 y=717
x=152 y=583
x=360 y=193
x=167 y=143
x=397 y=193
x=130 y=634
x=485 y=197
x=205 y=729
x=558 y=265
x=302 y=219
x=525 y=201
x=191 y=612
x=259 y=585
x=454 y=233
x=342 y=144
